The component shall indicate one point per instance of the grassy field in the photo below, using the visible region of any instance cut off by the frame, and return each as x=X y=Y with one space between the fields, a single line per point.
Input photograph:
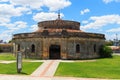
x=27 y=68
x=102 y=68
x=7 y=56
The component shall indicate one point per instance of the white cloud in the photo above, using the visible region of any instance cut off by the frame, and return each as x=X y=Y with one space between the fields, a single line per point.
x=11 y=28
x=4 y=0
x=84 y=22
x=6 y=35
x=34 y=28
x=46 y=16
x=7 y=11
x=111 y=36
x=20 y=25
x=36 y=4
x=23 y=10
x=100 y=21
x=55 y=5
x=4 y=19
x=16 y=25
x=114 y=30
x=109 y=1
x=84 y=11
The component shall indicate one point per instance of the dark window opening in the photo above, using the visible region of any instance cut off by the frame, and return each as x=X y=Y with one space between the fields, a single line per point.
x=33 y=48
x=70 y=27
x=18 y=47
x=94 y=48
x=77 y=48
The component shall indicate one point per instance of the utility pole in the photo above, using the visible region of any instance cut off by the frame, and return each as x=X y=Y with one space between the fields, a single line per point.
x=116 y=41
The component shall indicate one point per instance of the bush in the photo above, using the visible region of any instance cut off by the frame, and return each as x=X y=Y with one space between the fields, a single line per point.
x=105 y=52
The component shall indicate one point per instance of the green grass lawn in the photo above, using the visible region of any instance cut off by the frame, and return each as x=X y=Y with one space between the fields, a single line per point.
x=102 y=68
x=7 y=56
x=28 y=68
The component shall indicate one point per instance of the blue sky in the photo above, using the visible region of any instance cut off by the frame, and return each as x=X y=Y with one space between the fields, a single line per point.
x=95 y=16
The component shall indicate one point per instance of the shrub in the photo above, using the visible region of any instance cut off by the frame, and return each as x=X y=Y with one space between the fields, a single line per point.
x=105 y=52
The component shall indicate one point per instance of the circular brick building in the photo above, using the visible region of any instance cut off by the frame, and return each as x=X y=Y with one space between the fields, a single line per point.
x=59 y=39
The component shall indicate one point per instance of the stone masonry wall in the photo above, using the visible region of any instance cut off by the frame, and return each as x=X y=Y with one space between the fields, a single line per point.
x=68 y=47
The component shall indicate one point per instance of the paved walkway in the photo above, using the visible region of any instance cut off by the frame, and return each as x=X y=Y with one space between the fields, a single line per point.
x=7 y=62
x=19 y=77
x=47 y=69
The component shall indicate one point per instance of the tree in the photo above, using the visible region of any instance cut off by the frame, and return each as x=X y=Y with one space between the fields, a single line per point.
x=105 y=52
x=10 y=41
x=1 y=41
x=109 y=43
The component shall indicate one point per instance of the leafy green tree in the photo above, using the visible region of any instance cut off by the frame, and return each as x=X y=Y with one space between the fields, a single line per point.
x=109 y=43
x=105 y=52
x=10 y=41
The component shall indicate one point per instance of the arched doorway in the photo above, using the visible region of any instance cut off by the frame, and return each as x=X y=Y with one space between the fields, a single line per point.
x=32 y=48
x=54 y=52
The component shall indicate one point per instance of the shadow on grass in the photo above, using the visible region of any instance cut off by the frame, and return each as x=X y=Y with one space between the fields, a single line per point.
x=23 y=73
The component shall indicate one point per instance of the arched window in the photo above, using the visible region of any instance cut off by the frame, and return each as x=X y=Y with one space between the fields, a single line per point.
x=77 y=48
x=18 y=49
x=94 y=47
x=32 y=48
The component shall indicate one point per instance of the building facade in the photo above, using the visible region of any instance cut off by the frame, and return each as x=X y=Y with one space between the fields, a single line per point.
x=59 y=39
x=8 y=47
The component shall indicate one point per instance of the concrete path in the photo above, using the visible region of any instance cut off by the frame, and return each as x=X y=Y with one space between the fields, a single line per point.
x=20 y=77
x=7 y=62
x=47 y=69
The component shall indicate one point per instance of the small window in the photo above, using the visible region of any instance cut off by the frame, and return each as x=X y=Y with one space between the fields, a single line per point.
x=77 y=48
x=94 y=47
x=18 y=47
x=33 y=48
